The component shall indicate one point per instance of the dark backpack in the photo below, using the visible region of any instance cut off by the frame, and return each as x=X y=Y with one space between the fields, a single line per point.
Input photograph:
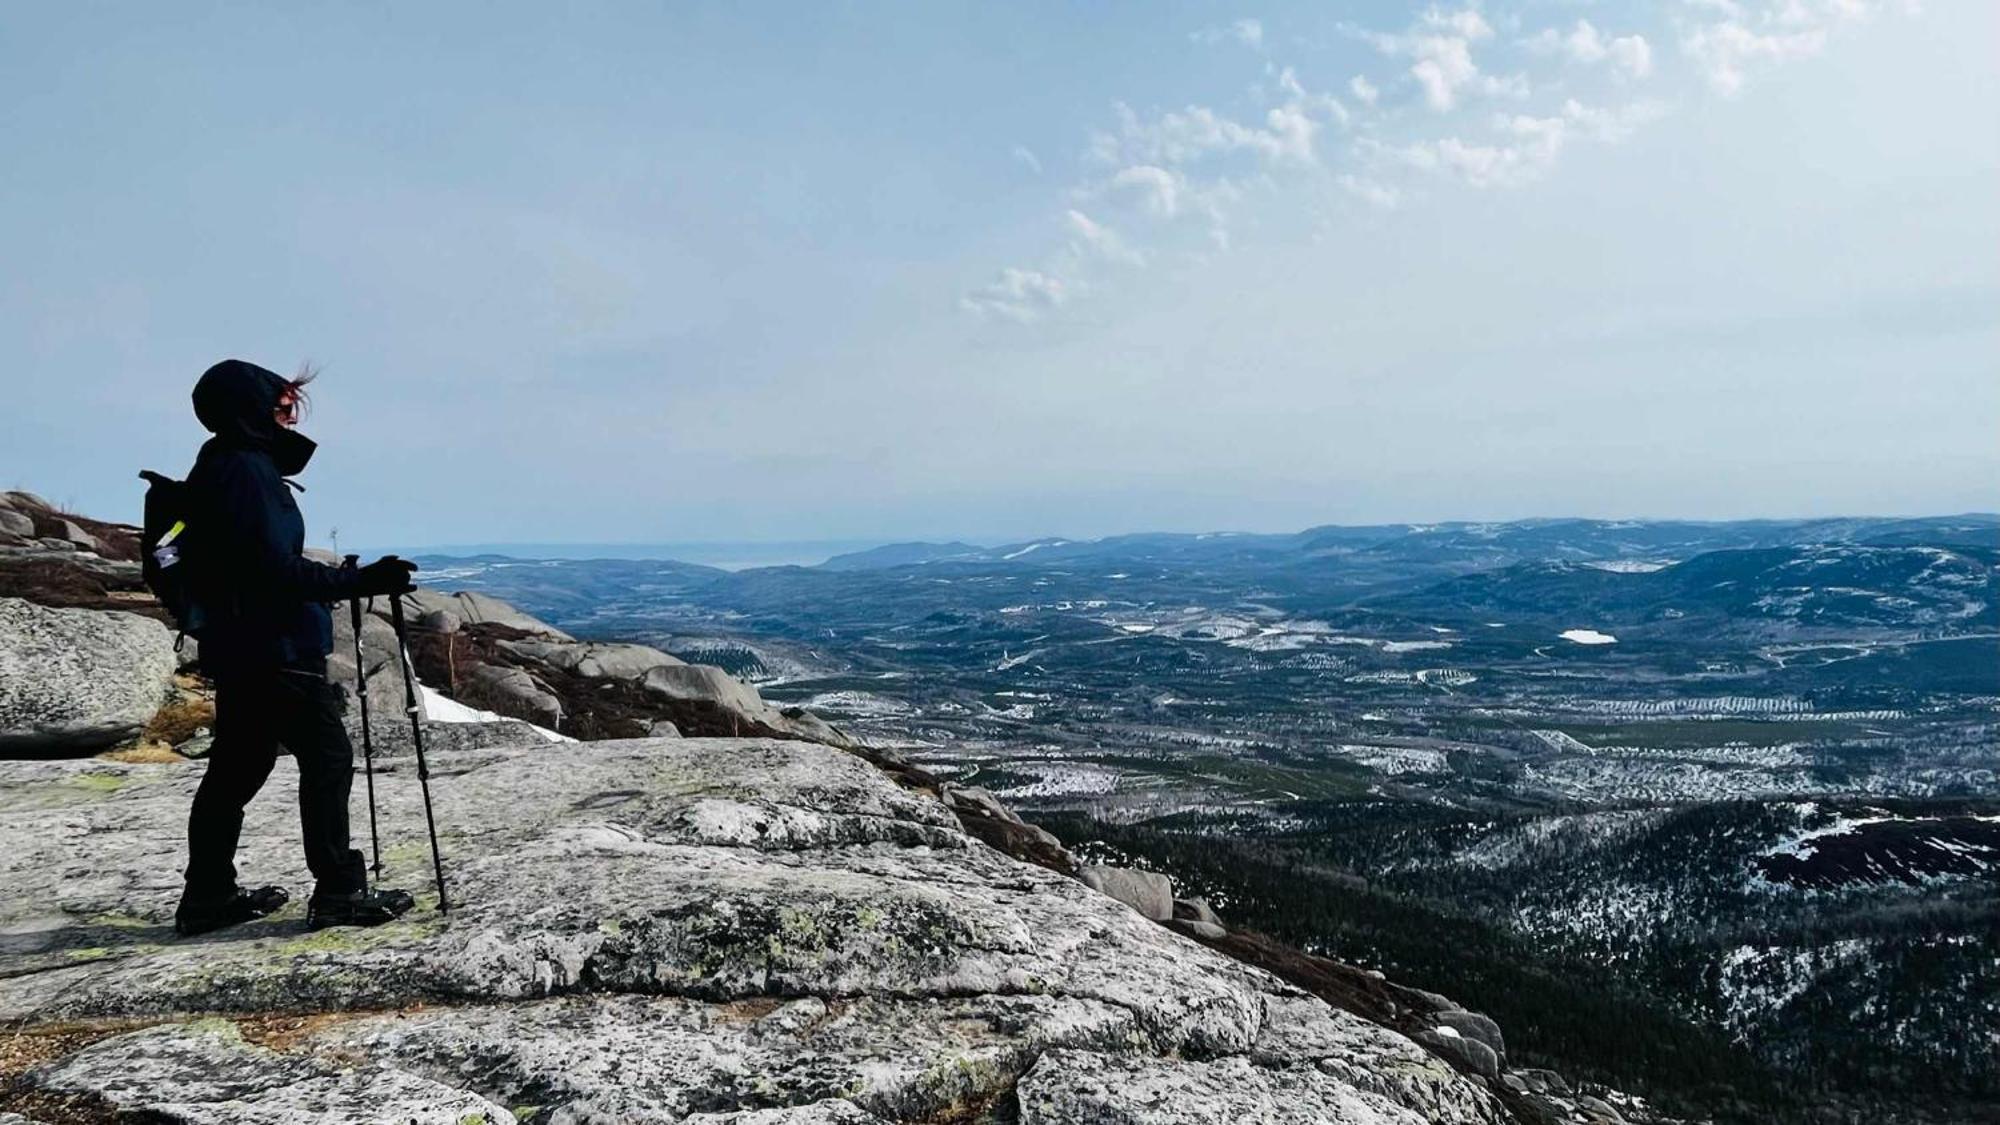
x=169 y=547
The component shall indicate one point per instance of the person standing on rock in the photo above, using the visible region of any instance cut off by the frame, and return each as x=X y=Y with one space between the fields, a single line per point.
x=264 y=642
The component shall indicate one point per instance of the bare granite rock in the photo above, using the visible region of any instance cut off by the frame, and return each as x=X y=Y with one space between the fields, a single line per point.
x=1148 y=892
x=78 y=678
x=671 y=930
x=596 y=661
x=1071 y=1086
x=471 y=608
x=203 y=1073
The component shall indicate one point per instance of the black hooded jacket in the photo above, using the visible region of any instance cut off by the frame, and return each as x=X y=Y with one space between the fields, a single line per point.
x=265 y=601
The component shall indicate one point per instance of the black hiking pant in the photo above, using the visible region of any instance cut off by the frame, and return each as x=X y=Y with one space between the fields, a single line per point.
x=255 y=713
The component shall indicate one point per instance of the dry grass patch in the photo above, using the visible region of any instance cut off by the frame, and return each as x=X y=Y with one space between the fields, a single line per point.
x=144 y=752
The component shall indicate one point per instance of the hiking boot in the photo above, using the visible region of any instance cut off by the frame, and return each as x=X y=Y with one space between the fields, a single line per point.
x=200 y=917
x=358 y=908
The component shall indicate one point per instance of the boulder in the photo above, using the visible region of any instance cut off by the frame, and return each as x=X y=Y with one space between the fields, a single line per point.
x=513 y=693
x=1148 y=892
x=660 y=728
x=1195 y=910
x=1212 y=931
x=1468 y=1055
x=1598 y=1111
x=1473 y=1025
x=1544 y=1081
x=701 y=683
x=473 y=608
x=386 y=700
x=77 y=535
x=25 y=501
x=595 y=661
x=14 y=525
x=1432 y=1001
x=978 y=802
x=440 y=621
x=662 y=930
x=806 y=725
x=78 y=679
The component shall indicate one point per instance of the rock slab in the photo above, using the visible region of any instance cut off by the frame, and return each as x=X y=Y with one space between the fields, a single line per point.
x=664 y=930
x=78 y=679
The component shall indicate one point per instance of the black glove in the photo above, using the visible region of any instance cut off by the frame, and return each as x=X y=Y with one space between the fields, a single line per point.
x=386 y=575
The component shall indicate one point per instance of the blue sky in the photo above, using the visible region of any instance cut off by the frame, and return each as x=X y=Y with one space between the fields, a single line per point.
x=763 y=272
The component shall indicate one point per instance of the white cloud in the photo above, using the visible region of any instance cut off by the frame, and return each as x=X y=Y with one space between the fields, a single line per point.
x=1630 y=55
x=1158 y=190
x=1092 y=239
x=1364 y=91
x=1020 y=295
x=1307 y=102
x=1526 y=147
x=1248 y=32
x=1188 y=135
x=1724 y=51
x=1736 y=38
x=1440 y=47
x=1466 y=23
x=1443 y=66
x=1027 y=156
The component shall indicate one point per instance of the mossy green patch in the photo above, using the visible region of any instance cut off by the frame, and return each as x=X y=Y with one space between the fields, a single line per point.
x=216 y=1025
x=99 y=782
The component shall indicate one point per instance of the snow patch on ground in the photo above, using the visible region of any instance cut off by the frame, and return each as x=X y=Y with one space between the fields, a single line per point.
x=1060 y=779
x=1396 y=759
x=440 y=708
x=1588 y=637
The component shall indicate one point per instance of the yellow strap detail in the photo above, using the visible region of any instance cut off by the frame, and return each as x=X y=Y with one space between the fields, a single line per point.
x=179 y=526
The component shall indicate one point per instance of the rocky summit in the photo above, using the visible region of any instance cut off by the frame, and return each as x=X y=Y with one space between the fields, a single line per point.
x=742 y=916
x=657 y=930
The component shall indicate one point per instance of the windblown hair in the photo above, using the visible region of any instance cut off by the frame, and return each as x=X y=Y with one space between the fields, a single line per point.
x=308 y=371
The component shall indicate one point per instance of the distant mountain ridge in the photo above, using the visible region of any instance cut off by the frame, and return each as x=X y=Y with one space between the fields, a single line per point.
x=1483 y=544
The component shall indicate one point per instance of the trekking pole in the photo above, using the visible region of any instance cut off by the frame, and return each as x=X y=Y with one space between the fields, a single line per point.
x=417 y=736
x=367 y=738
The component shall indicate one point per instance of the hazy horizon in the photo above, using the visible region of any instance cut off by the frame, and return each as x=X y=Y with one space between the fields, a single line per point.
x=715 y=273
x=745 y=554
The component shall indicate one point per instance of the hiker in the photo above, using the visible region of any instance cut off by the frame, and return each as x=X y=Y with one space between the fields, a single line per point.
x=264 y=640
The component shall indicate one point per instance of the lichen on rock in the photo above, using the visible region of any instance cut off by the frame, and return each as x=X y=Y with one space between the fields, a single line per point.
x=669 y=930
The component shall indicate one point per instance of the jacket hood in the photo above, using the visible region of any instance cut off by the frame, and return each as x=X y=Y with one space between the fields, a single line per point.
x=235 y=400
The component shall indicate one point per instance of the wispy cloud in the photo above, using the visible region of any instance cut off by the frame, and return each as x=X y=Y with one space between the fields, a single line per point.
x=1248 y=32
x=1629 y=55
x=1454 y=104
x=1027 y=156
x=1522 y=147
x=1021 y=296
x=1093 y=240
x=1727 y=40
